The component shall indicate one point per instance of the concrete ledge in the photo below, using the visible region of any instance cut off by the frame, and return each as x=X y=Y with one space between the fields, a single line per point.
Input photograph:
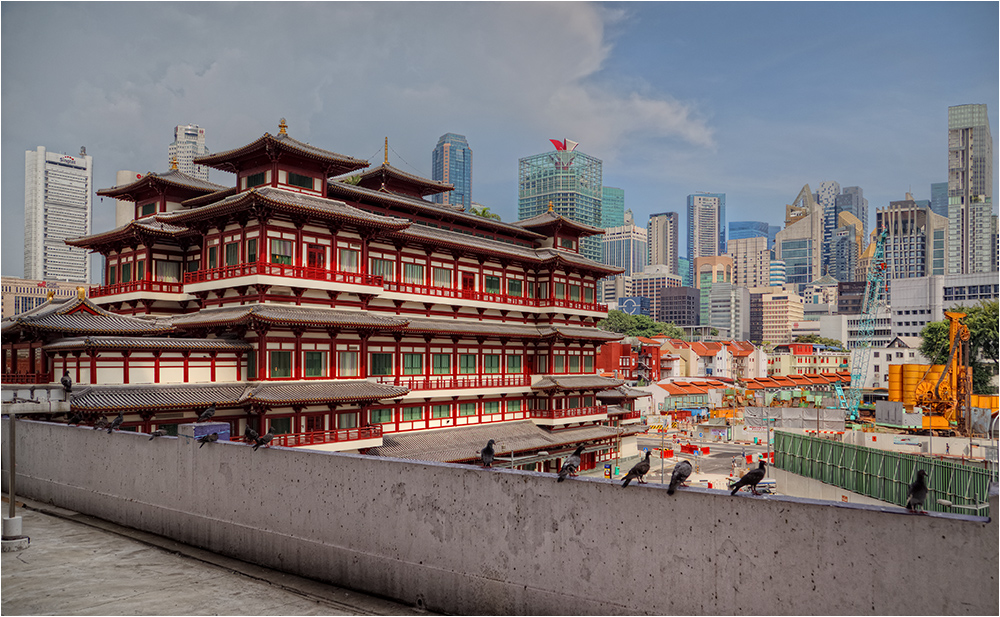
x=467 y=540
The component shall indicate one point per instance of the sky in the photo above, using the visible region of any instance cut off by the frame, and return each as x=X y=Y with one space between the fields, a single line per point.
x=753 y=100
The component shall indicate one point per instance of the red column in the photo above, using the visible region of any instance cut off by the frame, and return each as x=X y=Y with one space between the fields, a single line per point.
x=93 y=367
x=363 y=360
x=31 y=359
x=156 y=366
x=239 y=366
x=125 y=356
x=212 y=356
x=297 y=359
x=187 y=365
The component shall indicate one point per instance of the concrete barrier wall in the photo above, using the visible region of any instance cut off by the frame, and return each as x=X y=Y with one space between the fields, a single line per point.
x=465 y=540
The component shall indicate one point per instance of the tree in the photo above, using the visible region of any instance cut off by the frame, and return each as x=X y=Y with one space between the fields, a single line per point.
x=816 y=339
x=638 y=325
x=983 y=342
x=484 y=212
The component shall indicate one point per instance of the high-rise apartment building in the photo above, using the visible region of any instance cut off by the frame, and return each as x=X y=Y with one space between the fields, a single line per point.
x=917 y=241
x=706 y=225
x=970 y=189
x=740 y=230
x=58 y=190
x=729 y=310
x=680 y=306
x=707 y=272
x=625 y=246
x=189 y=144
x=612 y=207
x=780 y=311
x=451 y=162
x=832 y=201
x=800 y=243
x=751 y=261
x=571 y=181
x=939 y=198
x=663 y=233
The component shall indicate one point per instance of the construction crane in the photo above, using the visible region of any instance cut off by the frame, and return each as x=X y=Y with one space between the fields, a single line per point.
x=947 y=396
x=873 y=302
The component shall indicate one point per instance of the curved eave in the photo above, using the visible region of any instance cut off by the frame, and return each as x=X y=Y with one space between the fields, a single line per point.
x=556 y=222
x=202 y=200
x=582 y=263
x=240 y=202
x=153 y=182
x=144 y=344
x=335 y=164
x=387 y=176
x=126 y=232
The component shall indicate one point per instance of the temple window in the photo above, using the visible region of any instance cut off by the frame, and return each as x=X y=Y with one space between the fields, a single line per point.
x=513 y=364
x=193 y=265
x=299 y=180
x=381 y=416
x=442 y=364
x=566 y=243
x=560 y=291
x=574 y=364
x=126 y=273
x=413 y=274
x=413 y=364
x=280 y=426
x=112 y=274
x=442 y=277
x=348 y=364
x=588 y=294
x=490 y=407
x=467 y=363
x=441 y=411
x=381 y=364
x=574 y=293
x=491 y=284
x=559 y=364
x=147 y=209
x=588 y=364
x=252 y=250
x=140 y=270
x=347 y=420
x=213 y=257
x=281 y=252
x=232 y=253
x=411 y=414
x=281 y=364
x=491 y=363
x=348 y=260
x=257 y=179
x=315 y=362
x=514 y=405
x=168 y=271
x=514 y=288
x=382 y=267
x=467 y=409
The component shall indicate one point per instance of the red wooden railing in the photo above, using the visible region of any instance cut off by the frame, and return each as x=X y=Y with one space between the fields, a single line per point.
x=626 y=414
x=27 y=378
x=450 y=382
x=483 y=296
x=269 y=269
x=574 y=412
x=136 y=286
x=314 y=438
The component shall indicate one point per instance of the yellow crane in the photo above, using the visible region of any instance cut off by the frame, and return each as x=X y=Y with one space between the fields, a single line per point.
x=946 y=401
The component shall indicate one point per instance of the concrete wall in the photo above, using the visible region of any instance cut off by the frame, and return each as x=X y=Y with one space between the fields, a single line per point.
x=466 y=540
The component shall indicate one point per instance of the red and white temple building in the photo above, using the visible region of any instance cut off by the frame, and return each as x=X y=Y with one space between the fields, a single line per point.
x=335 y=306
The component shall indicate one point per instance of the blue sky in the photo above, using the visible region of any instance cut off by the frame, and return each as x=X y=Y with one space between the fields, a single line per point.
x=750 y=99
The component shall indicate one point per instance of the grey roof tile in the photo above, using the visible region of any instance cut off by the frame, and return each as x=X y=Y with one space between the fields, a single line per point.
x=288 y=315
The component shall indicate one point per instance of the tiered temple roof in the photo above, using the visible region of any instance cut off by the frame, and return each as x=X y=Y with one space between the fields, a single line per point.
x=82 y=317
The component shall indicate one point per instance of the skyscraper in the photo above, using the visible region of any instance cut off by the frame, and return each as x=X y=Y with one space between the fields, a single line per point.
x=189 y=144
x=706 y=225
x=663 y=233
x=57 y=206
x=451 y=162
x=612 y=207
x=800 y=243
x=625 y=246
x=970 y=189
x=832 y=201
x=569 y=179
x=751 y=261
x=917 y=242
x=740 y=230
x=939 y=198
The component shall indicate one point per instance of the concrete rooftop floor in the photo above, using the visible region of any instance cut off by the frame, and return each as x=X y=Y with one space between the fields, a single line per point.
x=80 y=565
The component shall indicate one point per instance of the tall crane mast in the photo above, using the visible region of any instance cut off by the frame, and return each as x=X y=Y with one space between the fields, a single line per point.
x=874 y=300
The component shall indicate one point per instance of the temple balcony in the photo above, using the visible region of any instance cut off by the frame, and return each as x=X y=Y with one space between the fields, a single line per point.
x=27 y=378
x=141 y=290
x=337 y=440
x=558 y=417
x=624 y=416
x=456 y=382
x=482 y=299
x=272 y=274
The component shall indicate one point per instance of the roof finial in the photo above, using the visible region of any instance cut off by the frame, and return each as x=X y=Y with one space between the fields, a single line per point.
x=386 y=161
x=282 y=127
x=49 y=295
x=173 y=163
x=550 y=206
x=81 y=293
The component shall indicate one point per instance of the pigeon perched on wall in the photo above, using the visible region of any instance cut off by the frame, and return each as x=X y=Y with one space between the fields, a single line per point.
x=116 y=422
x=102 y=422
x=487 y=454
x=250 y=435
x=67 y=382
x=681 y=472
x=75 y=418
x=208 y=439
x=570 y=465
x=263 y=441
x=638 y=470
x=751 y=478
x=918 y=492
x=207 y=414
x=157 y=433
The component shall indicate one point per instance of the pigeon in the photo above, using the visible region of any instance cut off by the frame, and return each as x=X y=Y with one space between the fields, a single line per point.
x=250 y=435
x=207 y=414
x=487 y=454
x=157 y=433
x=75 y=418
x=751 y=478
x=116 y=422
x=208 y=439
x=570 y=465
x=638 y=471
x=681 y=472
x=917 y=493
x=263 y=441
x=67 y=382
x=102 y=422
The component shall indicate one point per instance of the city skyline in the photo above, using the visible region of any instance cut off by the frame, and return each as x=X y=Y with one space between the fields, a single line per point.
x=665 y=122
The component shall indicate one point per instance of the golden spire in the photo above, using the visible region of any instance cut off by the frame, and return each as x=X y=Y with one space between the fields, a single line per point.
x=386 y=161
x=173 y=163
x=282 y=127
x=49 y=295
x=81 y=293
x=550 y=206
